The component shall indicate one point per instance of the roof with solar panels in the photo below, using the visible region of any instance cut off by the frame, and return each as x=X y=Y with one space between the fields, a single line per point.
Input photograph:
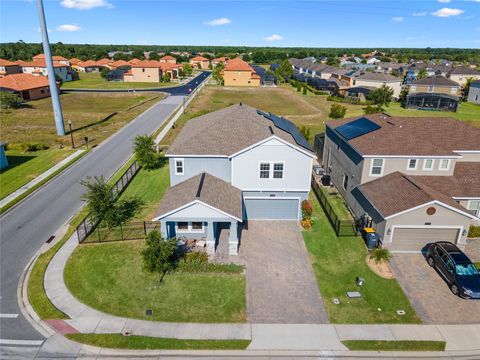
x=230 y=130
x=381 y=134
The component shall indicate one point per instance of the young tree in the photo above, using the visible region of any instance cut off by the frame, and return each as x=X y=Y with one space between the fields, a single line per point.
x=9 y=100
x=166 y=77
x=381 y=96
x=217 y=74
x=145 y=151
x=187 y=69
x=305 y=131
x=104 y=73
x=284 y=71
x=337 y=111
x=422 y=73
x=159 y=254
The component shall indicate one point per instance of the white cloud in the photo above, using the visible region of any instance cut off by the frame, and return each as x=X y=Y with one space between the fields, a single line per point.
x=85 y=4
x=444 y=1
x=68 y=28
x=447 y=12
x=218 y=22
x=397 y=18
x=421 y=13
x=273 y=37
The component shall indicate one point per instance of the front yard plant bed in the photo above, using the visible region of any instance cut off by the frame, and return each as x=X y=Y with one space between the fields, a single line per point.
x=118 y=341
x=336 y=263
x=401 y=345
x=110 y=278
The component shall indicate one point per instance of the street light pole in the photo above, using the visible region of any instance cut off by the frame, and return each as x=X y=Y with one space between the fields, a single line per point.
x=57 y=108
x=71 y=133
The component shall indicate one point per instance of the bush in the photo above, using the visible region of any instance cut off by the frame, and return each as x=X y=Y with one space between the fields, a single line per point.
x=307 y=209
x=369 y=109
x=27 y=147
x=9 y=100
x=307 y=223
x=379 y=255
x=474 y=232
x=197 y=262
x=337 y=111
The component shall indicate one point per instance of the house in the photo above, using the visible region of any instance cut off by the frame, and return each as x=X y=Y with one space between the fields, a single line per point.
x=3 y=155
x=168 y=59
x=232 y=166
x=433 y=93
x=39 y=68
x=151 y=71
x=8 y=67
x=377 y=80
x=55 y=59
x=463 y=73
x=474 y=92
x=359 y=93
x=88 y=66
x=238 y=73
x=119 y=64
x=74 y=61
x=199 y=62
x=134 y=61
x=372 y=60
x=104 y=62
x=415 y=180
x=220 y=60
x=27 y=86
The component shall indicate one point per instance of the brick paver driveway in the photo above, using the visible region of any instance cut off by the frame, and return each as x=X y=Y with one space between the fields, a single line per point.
x=281 y=285
x=429 y=293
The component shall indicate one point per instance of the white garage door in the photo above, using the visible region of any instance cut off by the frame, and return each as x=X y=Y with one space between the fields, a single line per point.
x=415 y=239
x=271 y=209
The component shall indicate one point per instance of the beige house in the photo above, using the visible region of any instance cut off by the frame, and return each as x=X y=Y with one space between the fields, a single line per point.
x=220 y=60
x=8 y=67
x=88 y=66
x=151 y=71
x=55 y=59
x=199 y=62
x=415 y=180
x=27 y=86
x=168 y=59
x=462 y=74
x=377 y=80
x=238 y=73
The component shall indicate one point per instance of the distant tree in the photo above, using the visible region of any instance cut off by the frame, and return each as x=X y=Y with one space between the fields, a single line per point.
x=159 y=254
x=104 y=73
x=403 y=94
x=284 y=71
x=187 y=69
x=381 y=96
x=145 y=152
x=166 y=77
x=139 y=54
x=337 y=111
x=153 y=56
x=305 y=131
x=466 y=87
x=9 y=100
x=259 y=57
x=245 y=57
x=422 y=73
x=333 y=61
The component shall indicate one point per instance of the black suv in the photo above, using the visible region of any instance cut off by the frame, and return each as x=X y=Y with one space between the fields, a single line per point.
x=460 y=273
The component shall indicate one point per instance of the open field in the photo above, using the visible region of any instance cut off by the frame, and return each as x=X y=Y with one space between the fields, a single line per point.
x=94 y=115
x=95 y=81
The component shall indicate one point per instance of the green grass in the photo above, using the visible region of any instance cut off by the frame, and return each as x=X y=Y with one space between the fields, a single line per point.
x=110 y=278
x=95 y=81
x=338 y=204
x=336 y=263
x=400 y=345
x=118 y=341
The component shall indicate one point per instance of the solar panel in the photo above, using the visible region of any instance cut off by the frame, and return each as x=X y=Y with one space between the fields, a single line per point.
x=357 y=128
x=287 y=126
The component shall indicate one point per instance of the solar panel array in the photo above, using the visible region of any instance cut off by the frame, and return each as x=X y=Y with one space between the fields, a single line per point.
x=357 y=128
x=287 y=126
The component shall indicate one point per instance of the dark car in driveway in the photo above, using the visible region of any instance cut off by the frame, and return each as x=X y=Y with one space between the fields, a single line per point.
x=459 y=272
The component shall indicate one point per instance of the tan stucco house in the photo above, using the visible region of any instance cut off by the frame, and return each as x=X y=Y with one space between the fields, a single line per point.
x=151 y=71
x=168 y=59
x=377 y=80
x=8 y=67
x=463 y=73
x=434 y=92
x=238 y=73
x=199 y=62
x=416 y=180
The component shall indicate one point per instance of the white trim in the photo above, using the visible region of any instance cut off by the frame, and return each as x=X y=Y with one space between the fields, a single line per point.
x=190 y=228
x=196 y=156
x=428 y=169
x=414 y=156
x=174 y=211
x=468 y=151
x=271 y=169
x=431 y=203
x=465 y=198
x=276 y=190
x=416 y=164
x=277 y=198
x=371 y=167
x=440 y=164
x=175 y=166
x=460 y=228
x=260 y=163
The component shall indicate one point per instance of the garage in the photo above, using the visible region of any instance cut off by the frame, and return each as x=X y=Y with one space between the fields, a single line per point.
x=271 y=209
x=415 y=239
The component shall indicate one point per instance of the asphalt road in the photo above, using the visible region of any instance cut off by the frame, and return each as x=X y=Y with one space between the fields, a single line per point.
x=28 y=225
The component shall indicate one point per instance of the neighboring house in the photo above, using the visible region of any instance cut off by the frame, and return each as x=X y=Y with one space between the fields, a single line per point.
x=416 y=179
x=474 y=92
x=199 y=62
x=8 y=67
x=55 y=59
x=306 y=66
x=119 y=64
x=74 y=61
x=389 y=67
x=168 y=59
x=377 y=80
x=39 y=68
x=463 y=73
x=27 y=86
x=359 y=93
x=373 y=60
x=88 y=66
x=134 y=61
x=3 y=155
x=433 y=93
x=104 y=62
x=151 y=71
x=238 y=73
x=231 y=166
x=220 y=60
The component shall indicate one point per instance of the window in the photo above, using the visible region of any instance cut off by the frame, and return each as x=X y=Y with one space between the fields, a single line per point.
x=430 y=89
x=412 y=164
x=182 y=225
x=143 y=70
x=453 y=90
x=444 y=164
x=197 y=226
x=428 y=164
x=264 y=170
x=179 y=167
x=278 y=171
x=345 y=181
x=474 y=207
x=413 y=88
x=377 y=167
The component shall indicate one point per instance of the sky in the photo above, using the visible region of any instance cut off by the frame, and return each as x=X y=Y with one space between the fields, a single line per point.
x=321 y=23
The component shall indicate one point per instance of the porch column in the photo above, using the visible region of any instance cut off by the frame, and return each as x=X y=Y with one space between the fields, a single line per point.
x=210 y=238
x=233 y=241
x=163 y=229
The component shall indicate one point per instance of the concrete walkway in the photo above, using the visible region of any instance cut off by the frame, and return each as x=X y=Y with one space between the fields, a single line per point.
x=322 y=337
x=41 y=177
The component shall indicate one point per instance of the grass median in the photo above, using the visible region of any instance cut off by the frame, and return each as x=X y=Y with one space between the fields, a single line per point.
x=398 y=345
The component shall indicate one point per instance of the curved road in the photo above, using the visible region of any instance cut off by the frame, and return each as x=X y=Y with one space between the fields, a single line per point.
x=25 y=227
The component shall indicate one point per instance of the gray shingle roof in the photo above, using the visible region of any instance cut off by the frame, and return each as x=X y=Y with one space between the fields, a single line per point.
x=463 y=70
x=435 y=81
x=371 y=76
x=207 y=189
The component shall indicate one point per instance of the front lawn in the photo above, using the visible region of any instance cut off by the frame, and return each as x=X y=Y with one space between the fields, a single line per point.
x=118 y=341
x=95 y=81
x=110 y=278
x=336 y=263
x=400 y=345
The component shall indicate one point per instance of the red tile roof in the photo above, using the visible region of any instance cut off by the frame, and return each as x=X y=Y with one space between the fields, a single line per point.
x=238 y=64
x=104 y=61
x=147 y=64
x=74 y=61
x=54 y=57
x=42 y=64
x=119 y=63
x=88 y=63
x=134 y=61
x=21 y=82
x=168 y=57
x=4 y=62
x=199 y=58
x=20 y=63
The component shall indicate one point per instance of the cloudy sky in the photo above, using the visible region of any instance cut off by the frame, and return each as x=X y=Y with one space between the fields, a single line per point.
x=321 y=23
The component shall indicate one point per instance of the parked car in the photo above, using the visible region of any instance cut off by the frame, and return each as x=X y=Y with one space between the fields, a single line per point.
x=458 y=271
x=371 y=238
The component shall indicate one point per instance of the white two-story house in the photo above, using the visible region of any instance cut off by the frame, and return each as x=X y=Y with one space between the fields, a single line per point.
x=231 y=166
x=417 y=180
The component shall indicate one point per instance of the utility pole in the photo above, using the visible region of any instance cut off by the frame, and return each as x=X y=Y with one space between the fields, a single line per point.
x=57 y=108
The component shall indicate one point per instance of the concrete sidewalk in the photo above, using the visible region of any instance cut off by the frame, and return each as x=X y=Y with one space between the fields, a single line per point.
x=321 y=337
x=39 y=178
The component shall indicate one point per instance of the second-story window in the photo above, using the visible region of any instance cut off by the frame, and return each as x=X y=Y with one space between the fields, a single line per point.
x=428 y=164
x=264 y=170
x=377 y=167
x=412 y=164
x=278 y=171
x=179 y=167
x=444 y=164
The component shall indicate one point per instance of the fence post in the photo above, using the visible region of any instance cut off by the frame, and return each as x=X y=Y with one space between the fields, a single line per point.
x=121 y=232
x=145 y=228
x=98 y=233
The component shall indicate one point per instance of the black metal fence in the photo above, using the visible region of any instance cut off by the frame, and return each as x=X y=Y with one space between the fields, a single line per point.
x=89 y=223
x=342 y=227
x=130 y=231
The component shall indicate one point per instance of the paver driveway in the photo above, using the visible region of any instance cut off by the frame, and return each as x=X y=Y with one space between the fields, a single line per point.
x=281 y=285
x=429 y=293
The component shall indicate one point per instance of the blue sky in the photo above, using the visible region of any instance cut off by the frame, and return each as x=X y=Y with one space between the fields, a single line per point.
x=322 y=23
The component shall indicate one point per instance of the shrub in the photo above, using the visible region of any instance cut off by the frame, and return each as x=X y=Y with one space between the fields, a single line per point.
x=379 y=255
x=474 y=231
x=337 y=111
x=197 y=262
x=28 y=146
x=307 y=209
x=9 y=100
x=307 y=223
x=369 y=109
x=304 y=90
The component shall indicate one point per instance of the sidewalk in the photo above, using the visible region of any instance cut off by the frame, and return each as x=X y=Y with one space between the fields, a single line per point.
x=270 y=337
x=38 y=179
